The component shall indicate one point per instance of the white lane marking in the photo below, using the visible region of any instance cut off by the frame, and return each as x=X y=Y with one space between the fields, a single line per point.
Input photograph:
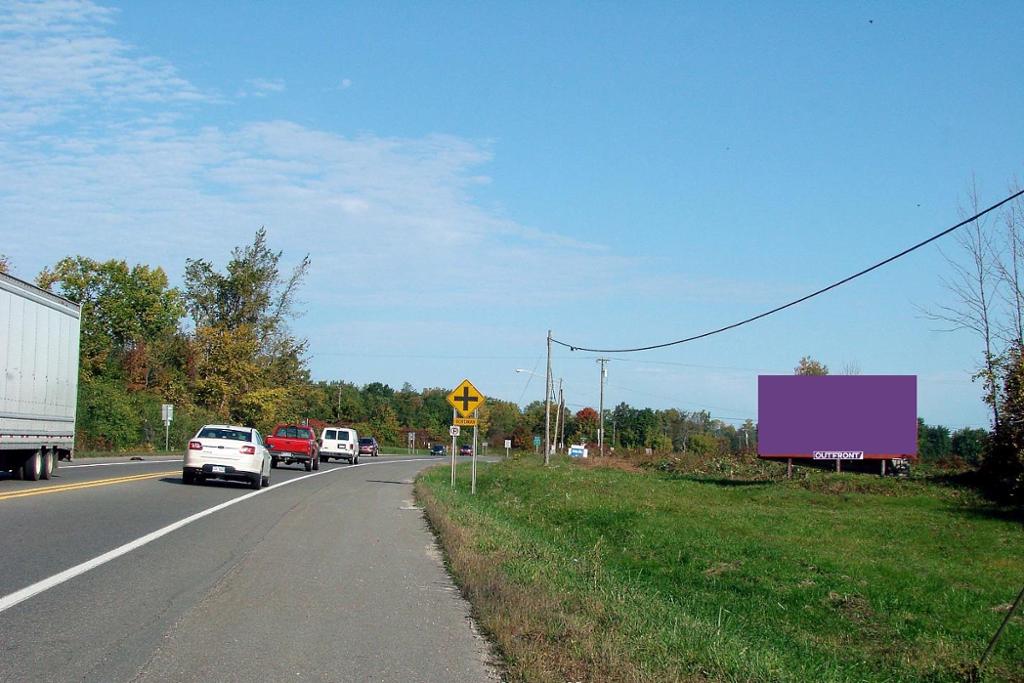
x=126 y=462
x=9 y=601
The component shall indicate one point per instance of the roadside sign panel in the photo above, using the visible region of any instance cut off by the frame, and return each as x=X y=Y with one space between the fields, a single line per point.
x=465 y=421
x=837 y=417
x=453 y=430
x=465 y=398
x=167 y=414
x=577 y=451
x=508 y=443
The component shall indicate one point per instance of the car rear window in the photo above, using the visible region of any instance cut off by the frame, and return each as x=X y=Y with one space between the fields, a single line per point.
x=343 y=434
x=366 y=442
x=221 y=433
x=330 y=434
x=293 y=433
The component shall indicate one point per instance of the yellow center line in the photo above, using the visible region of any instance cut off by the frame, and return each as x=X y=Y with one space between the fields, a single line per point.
x=84 y=485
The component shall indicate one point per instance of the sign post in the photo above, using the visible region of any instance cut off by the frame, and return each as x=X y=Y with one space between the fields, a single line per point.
x=454 y=431
x=508 y=447
x=472 y=478
x=412 y=443
x=465 y=400
x=167 y=414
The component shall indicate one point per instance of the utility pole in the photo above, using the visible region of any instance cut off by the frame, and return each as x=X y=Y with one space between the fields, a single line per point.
x=558 y=415
x=561 y=402
x=600 y=432
x=547 y=408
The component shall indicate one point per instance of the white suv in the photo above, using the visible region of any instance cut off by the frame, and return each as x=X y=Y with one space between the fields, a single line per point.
x=341 y=443
x=227 y=452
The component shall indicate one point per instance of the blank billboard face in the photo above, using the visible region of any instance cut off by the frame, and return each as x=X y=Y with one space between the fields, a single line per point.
x=837 y=417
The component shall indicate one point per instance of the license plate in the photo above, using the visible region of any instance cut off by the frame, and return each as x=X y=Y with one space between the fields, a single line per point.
x=217 y=469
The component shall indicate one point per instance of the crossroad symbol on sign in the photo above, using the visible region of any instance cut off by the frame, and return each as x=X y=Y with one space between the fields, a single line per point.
x=465 y=399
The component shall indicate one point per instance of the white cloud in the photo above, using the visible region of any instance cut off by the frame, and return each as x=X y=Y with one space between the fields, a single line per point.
x=261 y=87
x=56 y=59
x=345 y=84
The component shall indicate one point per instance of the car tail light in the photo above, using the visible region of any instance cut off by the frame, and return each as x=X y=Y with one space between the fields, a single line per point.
x=248 y=450
x=195 y=445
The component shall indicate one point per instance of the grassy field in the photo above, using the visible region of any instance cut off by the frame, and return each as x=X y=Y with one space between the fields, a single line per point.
x=584 y=574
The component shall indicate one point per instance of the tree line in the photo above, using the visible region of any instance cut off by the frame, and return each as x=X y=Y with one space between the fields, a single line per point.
x=221 y=350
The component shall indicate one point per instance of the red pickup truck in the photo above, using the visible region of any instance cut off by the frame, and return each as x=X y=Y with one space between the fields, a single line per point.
x=290 y=443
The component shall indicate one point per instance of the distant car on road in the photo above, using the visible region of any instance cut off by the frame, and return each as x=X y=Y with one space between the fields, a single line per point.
x=438 y=449
x=341 y=443
x=369 y=446
x=227 y=452
x=465 y=450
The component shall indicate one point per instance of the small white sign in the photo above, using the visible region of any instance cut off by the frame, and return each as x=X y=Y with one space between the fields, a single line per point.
x=577 y=451
x=167 y=412
x=838 y=455
x=508 y=443
x=454 y=430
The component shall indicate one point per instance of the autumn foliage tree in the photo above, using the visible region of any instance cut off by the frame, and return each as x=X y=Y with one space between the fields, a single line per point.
x=809 y=366
x=128 y=312
x=587 y=424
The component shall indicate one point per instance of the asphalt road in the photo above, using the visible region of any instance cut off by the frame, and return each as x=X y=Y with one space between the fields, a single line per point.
x=324 y=576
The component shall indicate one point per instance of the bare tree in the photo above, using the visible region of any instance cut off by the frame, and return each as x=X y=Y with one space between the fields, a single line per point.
x=1010 y=266
x=851 y=368
x=976 y=286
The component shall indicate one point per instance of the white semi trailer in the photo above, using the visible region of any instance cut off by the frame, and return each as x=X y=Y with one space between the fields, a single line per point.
x=38 y=378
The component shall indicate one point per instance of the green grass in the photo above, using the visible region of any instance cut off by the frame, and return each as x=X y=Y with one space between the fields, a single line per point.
x=598 y=574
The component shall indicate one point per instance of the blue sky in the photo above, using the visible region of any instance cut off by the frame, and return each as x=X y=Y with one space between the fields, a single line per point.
x=469 y=175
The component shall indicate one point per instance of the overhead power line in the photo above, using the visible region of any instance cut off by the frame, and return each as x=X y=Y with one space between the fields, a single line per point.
x=576 y=347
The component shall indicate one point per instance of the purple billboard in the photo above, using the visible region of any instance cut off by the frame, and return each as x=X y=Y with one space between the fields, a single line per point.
x=837 y=417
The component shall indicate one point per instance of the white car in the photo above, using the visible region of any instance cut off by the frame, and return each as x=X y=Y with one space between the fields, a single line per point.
x=341 y=443
x=227 y=452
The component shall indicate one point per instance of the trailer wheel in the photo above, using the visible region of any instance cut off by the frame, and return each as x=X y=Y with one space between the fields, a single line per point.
x=33 y=467
x=49 y=462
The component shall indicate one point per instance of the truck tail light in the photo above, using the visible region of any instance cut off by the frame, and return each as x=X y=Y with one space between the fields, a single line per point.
x=248 y=450
x=195 y=445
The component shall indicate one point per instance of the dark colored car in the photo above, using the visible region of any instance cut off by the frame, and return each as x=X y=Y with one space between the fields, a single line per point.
x=465 y=450
x=437 y=449
x=368 y=446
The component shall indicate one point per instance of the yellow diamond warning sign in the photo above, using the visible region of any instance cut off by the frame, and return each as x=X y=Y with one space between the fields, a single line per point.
x=465 y=399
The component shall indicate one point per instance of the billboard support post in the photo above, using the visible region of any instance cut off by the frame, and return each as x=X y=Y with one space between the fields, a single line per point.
x=789 y=468
x=839 y=467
